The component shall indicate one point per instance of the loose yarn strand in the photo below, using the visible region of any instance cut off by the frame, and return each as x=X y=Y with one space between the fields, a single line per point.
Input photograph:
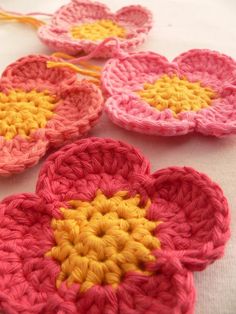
x=20 y=18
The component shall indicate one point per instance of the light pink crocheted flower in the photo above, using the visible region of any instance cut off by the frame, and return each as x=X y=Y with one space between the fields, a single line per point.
x=101 y=222
x=131 y=24
x=42 y=108
x=194 y=93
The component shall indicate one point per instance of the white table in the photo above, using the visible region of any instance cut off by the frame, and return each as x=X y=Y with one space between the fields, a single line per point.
x=179 y=25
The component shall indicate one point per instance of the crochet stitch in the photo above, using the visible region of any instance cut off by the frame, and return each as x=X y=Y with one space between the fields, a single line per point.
x=42 y=108
x=81 y=25
x=194 y=93
x=102 y=235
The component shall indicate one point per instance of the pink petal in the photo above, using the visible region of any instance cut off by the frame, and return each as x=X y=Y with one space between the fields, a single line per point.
x=78 y=110
x=18 y=154
x=126 y=74
x=134 y=114
x=58 y=39
x=26 y=279
x=220 y=118
x=80 y=169
x=209 y=67
x=194 y=213
x=31 y=72
x=136 y=17
x=76 y=11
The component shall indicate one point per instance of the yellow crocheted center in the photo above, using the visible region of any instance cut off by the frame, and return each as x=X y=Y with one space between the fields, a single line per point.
x=177 y=94
x=98 y=242
x=22 y=112
x=98 y=30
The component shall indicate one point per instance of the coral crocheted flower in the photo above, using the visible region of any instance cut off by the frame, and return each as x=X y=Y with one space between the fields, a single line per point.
x=42 y=108
x=82 y=25
x=103 y=235
x=195 y=92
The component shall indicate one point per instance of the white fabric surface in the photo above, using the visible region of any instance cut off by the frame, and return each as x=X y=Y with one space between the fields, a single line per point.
x=179 y=25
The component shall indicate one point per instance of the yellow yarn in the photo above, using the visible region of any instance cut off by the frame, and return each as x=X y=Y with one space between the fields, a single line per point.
x=36 y=23
x=22 y=112
x=98 y=242
x=177 y=94
x=98 y=30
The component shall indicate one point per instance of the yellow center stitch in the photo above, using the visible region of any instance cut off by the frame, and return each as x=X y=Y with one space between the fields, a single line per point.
x=98 y=30
x=98 y=242
x=22 y=112
x=177 y=94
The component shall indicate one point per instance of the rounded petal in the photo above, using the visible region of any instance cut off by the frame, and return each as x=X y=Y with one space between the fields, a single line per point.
x=129 y=73
x=58 y=39
x=135 y=17
x=77 y=111
x=134 y=114
x=31 y=72
x=19 y=153
x=168 y=290
x=194 y=215
x=209 y=67
x=220 y=118
x=78 y=170
x=25 y=236
x=78 y=10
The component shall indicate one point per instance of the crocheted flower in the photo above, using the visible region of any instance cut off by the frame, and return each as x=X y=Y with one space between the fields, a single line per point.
x=42 y=108
x=195 y=92
x=82 y=25
x=103 y=235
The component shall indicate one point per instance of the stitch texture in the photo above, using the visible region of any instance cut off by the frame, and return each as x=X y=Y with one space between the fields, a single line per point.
x=194 y=93
x=82 y=24
x=42 y=108
x=165 y=225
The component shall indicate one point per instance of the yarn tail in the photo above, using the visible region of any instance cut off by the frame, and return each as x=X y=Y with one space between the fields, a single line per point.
x=88 y=68
x=20 y=18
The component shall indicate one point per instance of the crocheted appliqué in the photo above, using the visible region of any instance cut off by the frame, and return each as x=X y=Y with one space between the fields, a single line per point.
x=104 y=235
x=80 y=25
x=42 y=107
x=23 y=112
x=98 y=242
x=194 y=93
x=177 y=94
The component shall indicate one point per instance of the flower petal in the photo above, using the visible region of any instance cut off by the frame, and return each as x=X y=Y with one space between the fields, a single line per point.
x=169 y=290
x=136 y=17
x=58 y=39
x=209 y=67
x=194 y=213
x=25 y=236
x=134 y=114
x=78 y=110
x=19 y=153
x=127 y=74
x=79 y=170
x=76 y=11
x=220 y=118
x=31 y=72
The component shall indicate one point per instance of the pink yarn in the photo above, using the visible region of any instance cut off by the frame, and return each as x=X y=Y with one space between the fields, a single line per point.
x=194 y=229
x=124 y=75
x=78 y=108
x=136 y=19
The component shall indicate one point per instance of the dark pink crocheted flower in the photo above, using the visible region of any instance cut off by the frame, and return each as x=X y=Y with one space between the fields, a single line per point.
x=82 y=25
x=42 y=108
x=103 y=235
x=194 y=93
